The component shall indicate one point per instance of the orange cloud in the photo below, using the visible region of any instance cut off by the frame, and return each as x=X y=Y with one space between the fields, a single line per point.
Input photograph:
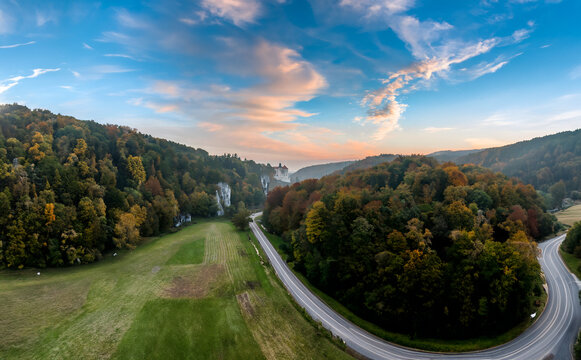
x=262 y=119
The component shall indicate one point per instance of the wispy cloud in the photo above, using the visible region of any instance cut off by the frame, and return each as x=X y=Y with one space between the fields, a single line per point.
x=6 y=22
x=499 y=119
x=419 y=35
x=197 y=18
x=87 y=46
x=432 y=129
x=240 y=12
x=286 y=78
x=13 y=81
x=488 y=68
x=491 y=67
x=97 y=72
x=522 y=34
x=436 y=51
x=549 y=115
x=567 y=115
x=16 y=45
x=121 y=56
x=110 y=69
x=575 y=73
x=44 y=17
x=373 y=8
x=189 y=21
x=129 y=20
x=384 y=108
x=481 y=143
x=115 y=37
x=262 y=118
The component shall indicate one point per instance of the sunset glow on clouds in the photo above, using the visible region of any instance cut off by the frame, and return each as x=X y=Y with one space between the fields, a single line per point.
x=300 y=81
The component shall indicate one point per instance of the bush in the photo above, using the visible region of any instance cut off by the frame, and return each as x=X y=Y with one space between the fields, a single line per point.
x=572 y=243
x=577 y=348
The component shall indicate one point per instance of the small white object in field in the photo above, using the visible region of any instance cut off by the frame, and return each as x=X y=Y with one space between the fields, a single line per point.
x=115 y=254
x=38 y=273
x=533 y=315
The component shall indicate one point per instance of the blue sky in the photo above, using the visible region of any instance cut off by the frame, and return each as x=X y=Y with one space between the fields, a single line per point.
x=302 y=81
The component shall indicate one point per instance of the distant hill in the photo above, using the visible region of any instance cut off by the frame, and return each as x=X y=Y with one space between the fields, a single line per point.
x=366 y=163
x=551 y=163
x=451 y=155
x=318 y=171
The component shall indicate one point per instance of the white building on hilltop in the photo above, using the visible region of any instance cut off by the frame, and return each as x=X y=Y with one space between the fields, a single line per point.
x=281 y=173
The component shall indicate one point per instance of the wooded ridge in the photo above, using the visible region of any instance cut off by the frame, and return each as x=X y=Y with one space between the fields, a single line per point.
x=419 y=247
x=72 y=189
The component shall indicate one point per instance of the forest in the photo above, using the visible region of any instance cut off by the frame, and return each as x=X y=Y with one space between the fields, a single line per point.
x=418 y=247
x=71 y=190
x=552 y=164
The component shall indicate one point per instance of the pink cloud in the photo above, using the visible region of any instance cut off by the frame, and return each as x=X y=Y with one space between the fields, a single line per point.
x=261 y=118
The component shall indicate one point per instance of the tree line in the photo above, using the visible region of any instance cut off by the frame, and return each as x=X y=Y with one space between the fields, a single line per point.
x=572 y=243
x=552 y=164
x=418 y=247
x=71 y=190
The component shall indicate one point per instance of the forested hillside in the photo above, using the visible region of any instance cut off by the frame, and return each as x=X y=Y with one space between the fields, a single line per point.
x=451 y=155
x=418 y=247
x=366 y=163
x=318 y=171
x=71 y=189
x=551 y=163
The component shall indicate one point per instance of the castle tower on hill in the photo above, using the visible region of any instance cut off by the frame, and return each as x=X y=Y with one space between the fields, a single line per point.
x=281 y=173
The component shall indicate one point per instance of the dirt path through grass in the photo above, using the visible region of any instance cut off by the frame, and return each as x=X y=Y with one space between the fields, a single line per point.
x=209 y=297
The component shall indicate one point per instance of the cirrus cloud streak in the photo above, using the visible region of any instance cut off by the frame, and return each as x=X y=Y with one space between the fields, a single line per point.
x=9 y=83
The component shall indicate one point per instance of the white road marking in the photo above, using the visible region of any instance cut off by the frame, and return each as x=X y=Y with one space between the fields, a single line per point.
x=547 y=335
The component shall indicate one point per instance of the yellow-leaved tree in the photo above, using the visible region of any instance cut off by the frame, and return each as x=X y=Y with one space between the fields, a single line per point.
x=316 y=222
x=127 y=228
x=135 y=167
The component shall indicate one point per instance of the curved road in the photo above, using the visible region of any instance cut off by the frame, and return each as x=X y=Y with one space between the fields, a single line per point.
x=552 y=334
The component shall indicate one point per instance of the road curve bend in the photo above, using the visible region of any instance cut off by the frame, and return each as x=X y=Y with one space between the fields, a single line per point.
x=552 y=334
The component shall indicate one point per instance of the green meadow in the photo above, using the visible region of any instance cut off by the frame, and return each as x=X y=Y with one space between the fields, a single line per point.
x=570 y=215
x=200 y=293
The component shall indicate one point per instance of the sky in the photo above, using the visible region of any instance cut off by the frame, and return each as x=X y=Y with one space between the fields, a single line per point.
x=302 y=81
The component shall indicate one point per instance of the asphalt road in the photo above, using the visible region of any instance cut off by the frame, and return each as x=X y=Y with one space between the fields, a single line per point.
x=552 y=334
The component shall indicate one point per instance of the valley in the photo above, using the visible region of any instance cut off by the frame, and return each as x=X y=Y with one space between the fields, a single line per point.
x=199 y=293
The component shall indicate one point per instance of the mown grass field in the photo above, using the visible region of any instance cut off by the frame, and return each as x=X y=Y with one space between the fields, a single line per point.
x=200 y=293
x=438 y=345
x=570 y=215
x=573 y=263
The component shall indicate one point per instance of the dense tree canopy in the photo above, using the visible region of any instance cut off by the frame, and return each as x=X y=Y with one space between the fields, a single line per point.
x=572 y=243
x=428 y=249
x=550 y=163
x=71 y=189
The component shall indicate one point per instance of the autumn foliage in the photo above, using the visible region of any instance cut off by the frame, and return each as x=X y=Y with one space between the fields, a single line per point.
x=418 y=247
x=71 y=190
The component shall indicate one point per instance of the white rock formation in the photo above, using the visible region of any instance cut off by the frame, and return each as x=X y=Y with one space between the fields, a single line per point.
x=223 y=197
x=265 y=181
